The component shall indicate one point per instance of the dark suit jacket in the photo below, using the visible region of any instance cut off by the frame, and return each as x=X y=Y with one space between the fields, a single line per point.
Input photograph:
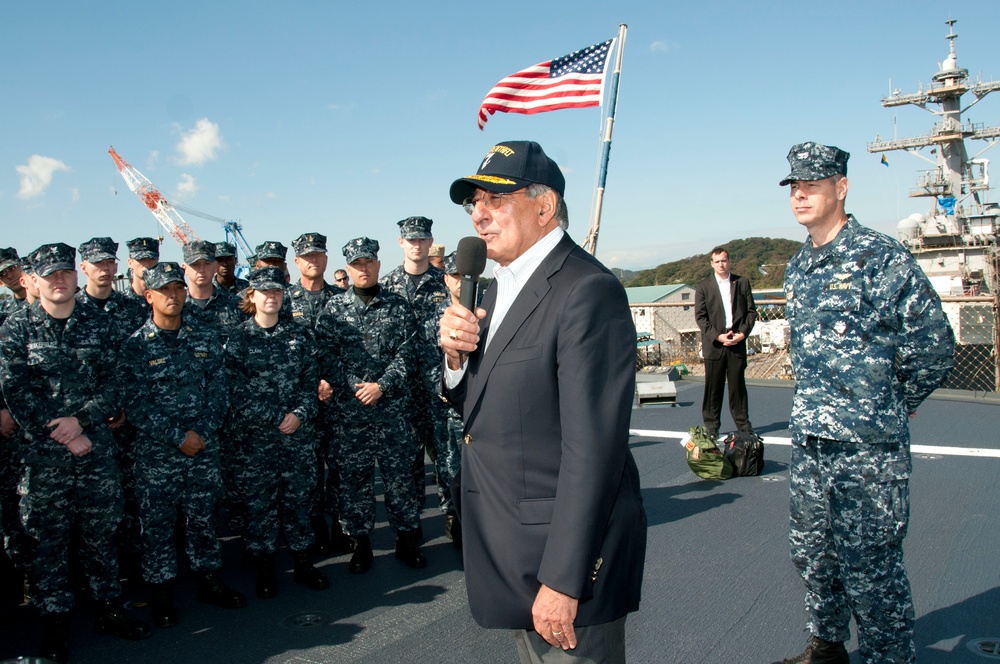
x=711 y=316
x=549 y=489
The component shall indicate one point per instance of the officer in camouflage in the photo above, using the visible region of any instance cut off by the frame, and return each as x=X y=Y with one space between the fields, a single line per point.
x=208 y=304
x=225 y=278
x=177 y=400
x=869 y=343
x=57 y=372
x=364 y=337
x=271 y=366
x=308 y=298
x=422 y=285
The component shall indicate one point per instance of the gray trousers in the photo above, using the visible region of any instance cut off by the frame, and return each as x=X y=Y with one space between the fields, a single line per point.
x=596 y=644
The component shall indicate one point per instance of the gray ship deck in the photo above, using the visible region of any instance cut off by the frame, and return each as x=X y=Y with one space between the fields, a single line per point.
x=719 y=585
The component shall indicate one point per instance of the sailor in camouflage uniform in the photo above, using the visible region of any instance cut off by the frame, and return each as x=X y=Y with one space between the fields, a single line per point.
x=308 y=298
x=869 y=342
x=422 y=285
x=143 y=253
x=225 y=278
x=99 y=262
x=208 y=304
x=18 y=545
x=10 y=276
x=271 y=366
x=364 y=337
x=177 y=400
x=57 y=372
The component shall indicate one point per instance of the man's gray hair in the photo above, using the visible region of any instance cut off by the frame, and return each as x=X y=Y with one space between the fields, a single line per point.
x=534 y=190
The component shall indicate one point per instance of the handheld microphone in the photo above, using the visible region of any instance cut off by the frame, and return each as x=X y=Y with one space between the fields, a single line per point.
x=470 y=261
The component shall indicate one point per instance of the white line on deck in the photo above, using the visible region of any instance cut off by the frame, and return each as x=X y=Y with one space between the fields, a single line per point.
x=682 y=436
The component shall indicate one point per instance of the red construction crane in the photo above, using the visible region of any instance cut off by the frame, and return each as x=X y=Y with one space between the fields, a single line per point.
x=151 y=197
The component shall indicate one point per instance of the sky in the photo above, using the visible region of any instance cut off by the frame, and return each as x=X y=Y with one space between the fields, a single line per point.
x=343 y=118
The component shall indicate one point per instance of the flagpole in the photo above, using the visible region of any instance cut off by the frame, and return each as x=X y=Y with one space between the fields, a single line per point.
x=590 y=243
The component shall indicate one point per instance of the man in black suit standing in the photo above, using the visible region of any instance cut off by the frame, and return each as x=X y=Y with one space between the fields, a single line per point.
x=725 y=312
x=554 y=532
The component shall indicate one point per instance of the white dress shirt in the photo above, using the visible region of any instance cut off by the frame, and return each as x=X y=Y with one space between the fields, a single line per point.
x=509 y=281
x=727 y=298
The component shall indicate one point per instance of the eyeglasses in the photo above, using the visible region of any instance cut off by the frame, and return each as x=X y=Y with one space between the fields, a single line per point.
x=490 y=200
x=341 y=279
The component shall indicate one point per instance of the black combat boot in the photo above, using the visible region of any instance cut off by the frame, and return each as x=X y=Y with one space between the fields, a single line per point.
x=162 y=604
x=363 y=556
x=55 y=637
x=340 y=542
x=407 y=551
x=819 y=651
x=111 y=618
x=267 y=576
x=322 y=543
x=307 y=574
x=211 y=590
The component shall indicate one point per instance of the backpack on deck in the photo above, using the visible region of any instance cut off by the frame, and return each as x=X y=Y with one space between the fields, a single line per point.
x=745 y=452
x=704 y=457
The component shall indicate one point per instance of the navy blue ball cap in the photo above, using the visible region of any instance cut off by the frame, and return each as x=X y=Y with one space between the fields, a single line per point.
x=510 y=166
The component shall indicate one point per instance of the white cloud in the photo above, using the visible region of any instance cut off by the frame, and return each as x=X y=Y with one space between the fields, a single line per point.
x=200 y=144
x=74 y=194
x=662 y=45
x=187 y=186
x=154 y=156
x=37 y=174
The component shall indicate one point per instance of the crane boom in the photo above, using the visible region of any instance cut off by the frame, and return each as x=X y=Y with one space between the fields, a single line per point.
x=154 y=200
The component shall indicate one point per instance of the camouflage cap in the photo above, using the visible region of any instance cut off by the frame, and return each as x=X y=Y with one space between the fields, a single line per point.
x=267 y=278
x=415 y=228
x=271 y=250
x=98 y=249
x=8 y=257
x=361 y=247
x=162 y=274
x=436 y=250
x=198 y=250
x=26 y=265
x=225 y=250
x=143 y=247
x=309 y=243
x=50 y=258
x=510 y=166
x=812 y=161
x=449 y=264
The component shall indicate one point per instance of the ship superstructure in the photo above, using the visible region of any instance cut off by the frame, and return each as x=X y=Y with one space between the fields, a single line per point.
x=955 y=242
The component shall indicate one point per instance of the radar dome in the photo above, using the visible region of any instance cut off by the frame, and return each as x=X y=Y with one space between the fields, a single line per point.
x=907 y=229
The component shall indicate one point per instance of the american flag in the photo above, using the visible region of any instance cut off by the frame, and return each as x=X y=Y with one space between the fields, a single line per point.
x=572 y=81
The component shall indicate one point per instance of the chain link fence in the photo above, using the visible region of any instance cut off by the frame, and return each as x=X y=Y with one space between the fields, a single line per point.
x=668 y=336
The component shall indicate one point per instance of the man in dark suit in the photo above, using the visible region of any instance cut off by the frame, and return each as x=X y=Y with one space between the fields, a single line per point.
x=725 y=312
x=553 y=524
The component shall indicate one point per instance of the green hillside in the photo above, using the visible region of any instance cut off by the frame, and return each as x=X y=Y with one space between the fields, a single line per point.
x=750 y=257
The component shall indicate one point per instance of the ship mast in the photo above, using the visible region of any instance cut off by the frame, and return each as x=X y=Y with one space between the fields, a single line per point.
x=955 y=175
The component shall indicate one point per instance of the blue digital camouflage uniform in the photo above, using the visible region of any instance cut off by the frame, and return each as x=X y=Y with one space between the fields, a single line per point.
x=306 y=307
x=428 y=299
x=50 y=369
x=221 y=313
x=356 y=344
x=869 y=342
x=272 y=373
x=177 y=384
x=17 y=543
